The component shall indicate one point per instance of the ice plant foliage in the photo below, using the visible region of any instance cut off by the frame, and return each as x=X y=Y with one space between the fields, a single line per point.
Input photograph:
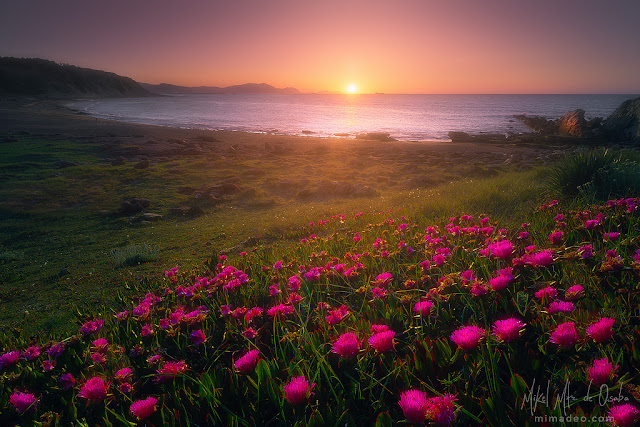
x=236 y=328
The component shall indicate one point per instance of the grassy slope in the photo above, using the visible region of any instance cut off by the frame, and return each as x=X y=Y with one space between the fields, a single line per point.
x=56 y=245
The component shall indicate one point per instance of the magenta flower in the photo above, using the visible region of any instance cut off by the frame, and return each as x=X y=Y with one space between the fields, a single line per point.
x=297 y=390
x=94 y=390
x=249 y=333
x=611 y=237
x=601 y=330
x=442 y=409
x=586 y=251
x=561 y=307
x=9 y=358
x=546 y=294
x=100 y=344
x=198 y=337
x=500 y=282
x=47 y=365
x=336 y=316
x=423 y=308
x=347 y=345
x=540 y=259
x=91 y=326
x=383 y=279
x=556 y=237
x=294 y=283
x=98 y=358
x=124 y=375
x=56 y=350
x=414 y=404
x=377 y=292
x=32 y=353
x=67 y=381
x=170 y=370
x=573 y=293
x=247 y=362
x=142 y=409
x=600 y=371
x=382 y=341
x=508 y=329
x=23 y=402
x=125 y=387
x=478 y=289
x=376 y=329
x=467 y=337
x=625 y=415
x=565 y=335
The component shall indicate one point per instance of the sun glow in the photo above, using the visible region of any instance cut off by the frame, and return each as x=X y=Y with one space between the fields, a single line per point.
x=352 y=88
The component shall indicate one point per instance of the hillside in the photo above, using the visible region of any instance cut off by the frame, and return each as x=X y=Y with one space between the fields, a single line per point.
x=169 y=89
x=43 y=78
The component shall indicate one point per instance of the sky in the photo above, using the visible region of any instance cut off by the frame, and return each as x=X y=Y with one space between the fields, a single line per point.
x=394 y=46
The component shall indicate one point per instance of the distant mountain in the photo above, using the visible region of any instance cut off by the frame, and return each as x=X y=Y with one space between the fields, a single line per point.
x=169 y=89
x=42 y=78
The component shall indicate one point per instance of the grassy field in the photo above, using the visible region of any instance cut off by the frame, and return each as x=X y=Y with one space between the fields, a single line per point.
x=63 y=242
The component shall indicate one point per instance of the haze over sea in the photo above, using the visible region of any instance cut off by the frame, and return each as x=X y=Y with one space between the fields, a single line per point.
x=405 y=117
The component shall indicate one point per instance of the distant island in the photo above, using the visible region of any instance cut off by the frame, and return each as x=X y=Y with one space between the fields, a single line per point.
x=247 y=88
x=48 y=79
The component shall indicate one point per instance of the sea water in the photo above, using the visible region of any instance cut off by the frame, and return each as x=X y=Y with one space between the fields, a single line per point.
x=405 y=117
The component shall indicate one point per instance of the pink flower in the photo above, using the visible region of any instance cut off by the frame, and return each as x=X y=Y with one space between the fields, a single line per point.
x=100 y=344
x=508 y=329
x=247 y=362
x=442 y=409
x=565 y=335
x=47 y=365
x=600 y=371
x=383 y=279
x=98 y=358
x=467 y=337
x=625 y=415
x=500 y=282
x=146 y=331
x=32 y=353
x=376 y=329
x=347 y=345
x=556 y=237
x=197 y=337
x=423 y=308
x=414 y=404
x=382 y=341
x=547 y=293
x=586 y=251
x=281 y=310
x=601 y=330
x=141 y=409
x=336 y=316
x=501 y=250
x=274 y=289
x=9 y=358
x=377 y=292
x=124 y=375
x=249 y=333
x=297 y=391
x=294 y=283
x=561 y=307
x=478 y=288
x=67 y=381
x=23 y=402
x=573 y=293
x=94 y=390
x=611 y=237
x=169 y=370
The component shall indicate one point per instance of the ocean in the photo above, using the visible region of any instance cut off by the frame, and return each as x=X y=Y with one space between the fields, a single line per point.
x=405 y=117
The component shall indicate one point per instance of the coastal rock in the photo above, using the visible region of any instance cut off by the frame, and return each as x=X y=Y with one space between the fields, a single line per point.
x=376 y=136
x=623 y=123
x=573 y=124
x=538 y=124
x=134 y=205
x=150 y=216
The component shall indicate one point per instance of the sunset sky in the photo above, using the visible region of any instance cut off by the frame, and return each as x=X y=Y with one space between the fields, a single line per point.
x=395 y=46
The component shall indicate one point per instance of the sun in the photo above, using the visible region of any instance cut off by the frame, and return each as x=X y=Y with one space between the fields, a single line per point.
x=352 y=88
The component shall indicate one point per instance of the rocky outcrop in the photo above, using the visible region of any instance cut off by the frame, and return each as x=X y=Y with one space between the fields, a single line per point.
x=573 y=124
x=623 y=124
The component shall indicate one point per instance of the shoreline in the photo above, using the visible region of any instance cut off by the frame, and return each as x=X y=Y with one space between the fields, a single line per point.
x=51 y=118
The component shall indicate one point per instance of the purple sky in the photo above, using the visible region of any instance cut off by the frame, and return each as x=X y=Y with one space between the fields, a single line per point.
x=401 y=46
